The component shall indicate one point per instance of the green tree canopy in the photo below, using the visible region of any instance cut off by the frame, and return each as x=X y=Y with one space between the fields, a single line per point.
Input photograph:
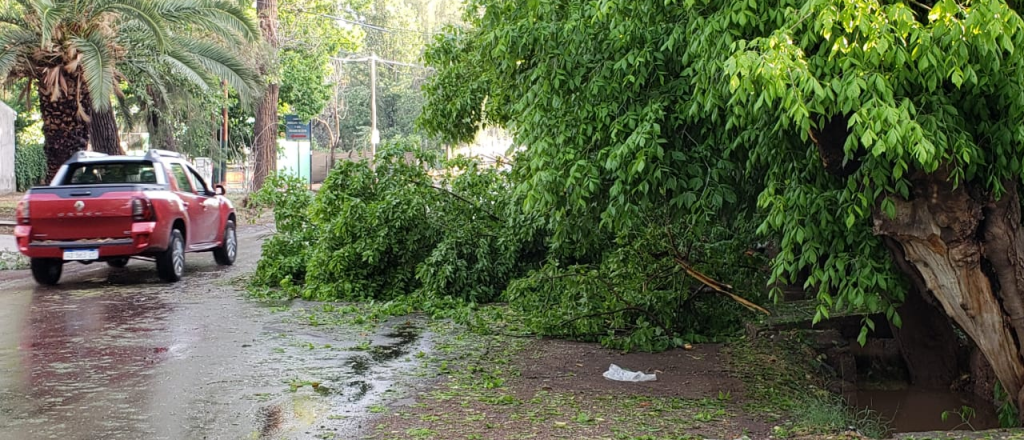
x=862 y=130
x=311 y=37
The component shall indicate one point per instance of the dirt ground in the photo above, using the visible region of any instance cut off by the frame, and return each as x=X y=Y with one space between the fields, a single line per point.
x=555 y=389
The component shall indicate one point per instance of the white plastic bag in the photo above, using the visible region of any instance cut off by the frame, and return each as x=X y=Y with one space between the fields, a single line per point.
x=619 y=374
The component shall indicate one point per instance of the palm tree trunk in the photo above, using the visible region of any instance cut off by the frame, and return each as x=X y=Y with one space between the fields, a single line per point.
x=64 y=128
x=265 y=139
x=103 y=132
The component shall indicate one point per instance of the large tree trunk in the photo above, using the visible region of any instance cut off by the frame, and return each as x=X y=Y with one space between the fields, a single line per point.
x=64 y=121
x=265 y=139
x=103 y=132
x=967 y=249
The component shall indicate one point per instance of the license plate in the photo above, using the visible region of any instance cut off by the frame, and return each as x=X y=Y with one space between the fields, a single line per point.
x=81 y=254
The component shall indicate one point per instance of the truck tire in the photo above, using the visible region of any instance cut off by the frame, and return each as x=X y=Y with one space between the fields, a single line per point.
x=170 y=264
x=228 y=250
x=46 y=271
x=118 y=262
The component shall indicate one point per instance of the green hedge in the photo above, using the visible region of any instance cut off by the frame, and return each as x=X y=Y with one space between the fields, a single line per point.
x=29 y=165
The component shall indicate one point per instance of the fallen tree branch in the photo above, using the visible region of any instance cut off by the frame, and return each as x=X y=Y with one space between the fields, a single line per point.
x=463 y=199
x=719 y=287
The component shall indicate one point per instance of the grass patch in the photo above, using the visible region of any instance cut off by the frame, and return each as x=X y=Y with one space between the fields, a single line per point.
x=782 y=379
x=13 y=260
x=479 y=398
x=8 y=204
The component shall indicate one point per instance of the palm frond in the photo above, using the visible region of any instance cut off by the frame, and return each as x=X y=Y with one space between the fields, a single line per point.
x=183 y=64
x=8 y=60
x=223 y=64
x=97 y=68
x=231 y=16
x=223 y=19
x=13 y=43
x=18 y=38
x=50 y=16
x=141 y=11
x=12 y=19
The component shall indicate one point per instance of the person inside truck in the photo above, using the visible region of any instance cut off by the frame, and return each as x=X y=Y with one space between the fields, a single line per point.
x=85 y=176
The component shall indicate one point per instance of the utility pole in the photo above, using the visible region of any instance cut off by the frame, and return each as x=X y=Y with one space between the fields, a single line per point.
x=222 y=161
x=374 y=134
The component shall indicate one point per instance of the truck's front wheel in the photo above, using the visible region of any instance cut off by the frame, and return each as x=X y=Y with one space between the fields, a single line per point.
x=47 y=271
x=170 y=264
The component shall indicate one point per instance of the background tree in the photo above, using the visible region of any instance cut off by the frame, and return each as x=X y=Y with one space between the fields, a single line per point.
x=305 y=37
x=880 y=140
x=394 y=31
x=266 y=124
x=72 y=51
x=310 y=39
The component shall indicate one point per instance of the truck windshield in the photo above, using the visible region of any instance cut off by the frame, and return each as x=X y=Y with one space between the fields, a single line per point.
x=109 y=172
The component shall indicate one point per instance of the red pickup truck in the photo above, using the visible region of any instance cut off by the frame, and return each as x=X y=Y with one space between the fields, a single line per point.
x=112 y=208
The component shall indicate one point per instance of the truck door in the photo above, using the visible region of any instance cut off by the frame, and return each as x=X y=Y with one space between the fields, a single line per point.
x=201 y=227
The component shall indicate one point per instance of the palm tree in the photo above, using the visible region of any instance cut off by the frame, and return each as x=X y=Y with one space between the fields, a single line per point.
x=76 y=52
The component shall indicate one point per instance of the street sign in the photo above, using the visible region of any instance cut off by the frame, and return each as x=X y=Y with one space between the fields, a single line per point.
x=295 y=129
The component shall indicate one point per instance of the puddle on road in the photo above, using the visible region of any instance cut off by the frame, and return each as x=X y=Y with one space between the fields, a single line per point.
x=269 y=420
x=361 y=389
x=405 y=334
x=332 y=385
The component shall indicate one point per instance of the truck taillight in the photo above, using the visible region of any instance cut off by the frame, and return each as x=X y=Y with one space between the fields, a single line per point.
x=142 y=210
x=22 y=212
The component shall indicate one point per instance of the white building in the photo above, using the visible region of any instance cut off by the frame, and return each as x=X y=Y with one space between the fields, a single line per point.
x=8 y=183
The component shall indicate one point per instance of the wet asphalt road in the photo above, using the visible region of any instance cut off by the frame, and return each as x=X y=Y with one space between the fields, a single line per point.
x=116 y=354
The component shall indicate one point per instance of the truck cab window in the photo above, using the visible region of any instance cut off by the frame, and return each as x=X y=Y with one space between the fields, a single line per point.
x=180 y=175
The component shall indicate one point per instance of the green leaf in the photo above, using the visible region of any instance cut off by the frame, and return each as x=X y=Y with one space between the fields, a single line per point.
x=97 y=68
x=957 y=77
x=889 y=208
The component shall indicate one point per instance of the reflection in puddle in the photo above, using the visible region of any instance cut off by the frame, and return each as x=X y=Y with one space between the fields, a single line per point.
x=269 y=419
x=915 y=409
x=361 y=388
x=359 y=364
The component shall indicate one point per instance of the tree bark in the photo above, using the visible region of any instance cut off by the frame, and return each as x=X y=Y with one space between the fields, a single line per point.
x=161 y=134
x=64 y=121
x=967 y=248
x=103 y=132
x=265 y=138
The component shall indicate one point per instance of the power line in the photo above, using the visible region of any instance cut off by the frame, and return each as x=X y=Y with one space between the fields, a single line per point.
x=380 y=60
x=376 y=27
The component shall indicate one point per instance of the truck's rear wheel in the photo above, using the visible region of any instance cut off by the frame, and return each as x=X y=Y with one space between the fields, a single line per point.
x=170 y=264
x=47 y=271
x=225 y=254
